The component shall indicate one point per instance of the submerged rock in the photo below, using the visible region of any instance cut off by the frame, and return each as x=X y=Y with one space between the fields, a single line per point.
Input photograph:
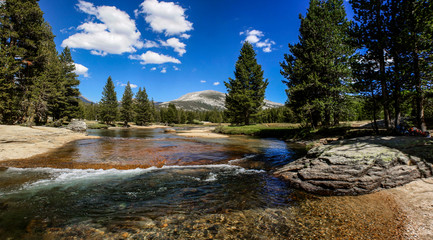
x=358 y=166
x=77 y=126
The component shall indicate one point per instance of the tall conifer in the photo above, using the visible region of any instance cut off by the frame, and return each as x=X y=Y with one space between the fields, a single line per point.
x=127 y=110
x=108 y=104
x=317 y=70
x=143 y=108
x=246 y=92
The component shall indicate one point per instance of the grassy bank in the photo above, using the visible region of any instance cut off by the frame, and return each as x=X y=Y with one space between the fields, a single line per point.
x=295 y=131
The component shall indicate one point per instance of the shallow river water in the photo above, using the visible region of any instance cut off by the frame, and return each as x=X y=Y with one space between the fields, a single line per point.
x=146 y=184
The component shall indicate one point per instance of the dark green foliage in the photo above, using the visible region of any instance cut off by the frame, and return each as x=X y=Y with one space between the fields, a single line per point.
x=34 y=81
x=395 y=65
x=108 y=104
x=127 y=108
x=246 y=92
x=277 y=115
x=143 y=108
x=69 y=86
x=317 y=70
x=172 y=115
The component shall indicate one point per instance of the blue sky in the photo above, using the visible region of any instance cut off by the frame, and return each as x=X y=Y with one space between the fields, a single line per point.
x=172 y=48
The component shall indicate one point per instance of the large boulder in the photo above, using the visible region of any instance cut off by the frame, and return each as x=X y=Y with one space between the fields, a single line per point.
x=77 y=126
x=359 y=165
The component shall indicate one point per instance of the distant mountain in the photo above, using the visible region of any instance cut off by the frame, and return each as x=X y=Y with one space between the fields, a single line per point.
x=85 y=100
x=207 y=100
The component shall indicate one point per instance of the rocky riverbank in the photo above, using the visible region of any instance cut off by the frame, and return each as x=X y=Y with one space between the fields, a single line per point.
x=401 y=165
x=18 y=142
x=361 y=165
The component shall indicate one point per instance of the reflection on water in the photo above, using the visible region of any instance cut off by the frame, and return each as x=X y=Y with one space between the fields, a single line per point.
x=147 y=184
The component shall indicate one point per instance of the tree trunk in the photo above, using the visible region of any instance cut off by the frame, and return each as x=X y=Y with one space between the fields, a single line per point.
x=419 y=93
x=336 y=118
x=382 y=76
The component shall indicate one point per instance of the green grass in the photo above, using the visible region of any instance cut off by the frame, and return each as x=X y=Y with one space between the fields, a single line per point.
x=295 y=131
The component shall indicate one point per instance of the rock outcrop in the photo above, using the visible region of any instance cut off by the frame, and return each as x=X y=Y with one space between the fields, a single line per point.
x=360 y=165
x=77 y=126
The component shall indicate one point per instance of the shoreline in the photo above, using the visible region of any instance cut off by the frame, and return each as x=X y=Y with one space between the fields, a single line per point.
x=17 y=142
x=414 y=199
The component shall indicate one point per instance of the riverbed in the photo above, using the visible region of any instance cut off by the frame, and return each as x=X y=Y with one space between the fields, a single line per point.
x=144 y=183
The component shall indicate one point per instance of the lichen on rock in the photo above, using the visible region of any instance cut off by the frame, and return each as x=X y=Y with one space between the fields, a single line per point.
x=358 y=166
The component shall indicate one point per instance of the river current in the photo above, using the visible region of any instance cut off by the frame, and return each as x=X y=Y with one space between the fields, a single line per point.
x=147 y=184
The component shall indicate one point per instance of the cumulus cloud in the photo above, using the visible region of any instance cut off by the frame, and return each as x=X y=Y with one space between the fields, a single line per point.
x=154 y=58
x=216 y=83
x=175 y=68
x=203 y=81
x=164 y=70
x=177 y=45
x=115 y=33
x=255 y=37
x=153 y=69
x=165 y=17
x=81 y=70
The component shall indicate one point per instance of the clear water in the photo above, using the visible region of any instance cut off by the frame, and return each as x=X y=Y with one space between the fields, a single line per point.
x=147 y=184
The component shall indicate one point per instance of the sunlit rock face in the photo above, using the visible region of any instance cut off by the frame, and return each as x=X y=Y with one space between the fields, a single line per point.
x=359 y=166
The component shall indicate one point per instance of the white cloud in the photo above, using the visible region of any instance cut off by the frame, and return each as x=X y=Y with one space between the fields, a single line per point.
x=81 y=70
x=186 y=36
x=153 y=69
x=176 y=68
x=164 y=70
x=202 y=81
x=178 y=46
x=125 y=84
x=115 y=34
x=216 y=83
x=255 y=37
x=154 y=58
x=165 y=17
x=150 y=44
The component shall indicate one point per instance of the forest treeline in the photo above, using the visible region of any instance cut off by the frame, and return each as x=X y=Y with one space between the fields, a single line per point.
x=378 y=66
x=384 y=58
x=36 y=82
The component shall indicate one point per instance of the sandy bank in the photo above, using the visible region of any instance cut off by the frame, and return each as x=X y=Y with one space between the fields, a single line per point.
x=201 y=132
x=23 y=142
x=416 y=202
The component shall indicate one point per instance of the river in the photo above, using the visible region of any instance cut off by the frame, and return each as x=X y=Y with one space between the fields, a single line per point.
x=144 y=183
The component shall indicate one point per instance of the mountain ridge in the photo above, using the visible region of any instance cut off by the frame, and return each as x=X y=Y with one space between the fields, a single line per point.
x=207 y=100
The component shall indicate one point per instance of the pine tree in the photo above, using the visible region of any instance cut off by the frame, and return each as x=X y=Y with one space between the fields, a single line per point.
x=172 y=115
x=246 y=92
x=21 y=31
x=70 y=84
x=372 y=33
x=127 y=108
x=143 y=108
x=108 y=104
x=317 y=70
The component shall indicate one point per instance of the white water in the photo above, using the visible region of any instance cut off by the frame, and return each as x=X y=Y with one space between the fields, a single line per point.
x=68 y=177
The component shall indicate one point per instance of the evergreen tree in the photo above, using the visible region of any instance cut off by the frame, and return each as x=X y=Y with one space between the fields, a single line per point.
x=108 y=104
x=172 y=115
x=317 y=70
x=127 y=108
x=246 y=92
x=70 y=84
x=372 y=33
x=21 y=31
x=143 y=108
